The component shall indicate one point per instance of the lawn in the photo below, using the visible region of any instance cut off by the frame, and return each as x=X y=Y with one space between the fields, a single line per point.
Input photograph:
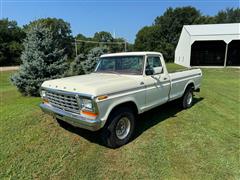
x=202 y=142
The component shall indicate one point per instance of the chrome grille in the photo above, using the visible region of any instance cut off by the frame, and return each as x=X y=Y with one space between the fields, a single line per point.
x=62 y=101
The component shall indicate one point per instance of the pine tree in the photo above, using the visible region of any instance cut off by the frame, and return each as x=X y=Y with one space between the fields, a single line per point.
x=76 y=67
x=92 y=59
x=42 y=60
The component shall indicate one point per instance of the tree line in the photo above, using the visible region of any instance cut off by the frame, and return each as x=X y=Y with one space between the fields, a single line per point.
x=46 y=49
x=161 y=36
x=12 y=39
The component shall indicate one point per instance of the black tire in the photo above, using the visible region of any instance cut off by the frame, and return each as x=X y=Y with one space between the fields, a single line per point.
x=186 y=102
x=109 y=133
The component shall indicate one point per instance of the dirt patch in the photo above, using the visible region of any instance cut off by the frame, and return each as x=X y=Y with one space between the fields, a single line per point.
x=9 y=68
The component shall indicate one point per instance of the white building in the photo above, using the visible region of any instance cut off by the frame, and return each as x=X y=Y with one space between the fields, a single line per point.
x=209 y=45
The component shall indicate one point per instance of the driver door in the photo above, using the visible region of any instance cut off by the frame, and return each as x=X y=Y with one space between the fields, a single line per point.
x=157 y=85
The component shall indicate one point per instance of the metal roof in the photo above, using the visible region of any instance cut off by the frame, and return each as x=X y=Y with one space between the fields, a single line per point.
x=213 y=29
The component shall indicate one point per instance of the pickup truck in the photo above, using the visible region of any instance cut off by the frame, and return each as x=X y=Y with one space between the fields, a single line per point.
x=122 y=86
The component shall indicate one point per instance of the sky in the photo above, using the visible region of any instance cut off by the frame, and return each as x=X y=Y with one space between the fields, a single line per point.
x=124 y=17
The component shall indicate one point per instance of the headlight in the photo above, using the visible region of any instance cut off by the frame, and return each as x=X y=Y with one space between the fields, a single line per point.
x=87 y=104
x=43 y=94
x=88 y=107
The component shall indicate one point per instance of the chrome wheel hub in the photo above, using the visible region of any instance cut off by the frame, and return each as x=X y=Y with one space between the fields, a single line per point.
x=189 y=98
x=123 y=128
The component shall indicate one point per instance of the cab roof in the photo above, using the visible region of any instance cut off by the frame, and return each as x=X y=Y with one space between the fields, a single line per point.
x=143 y=53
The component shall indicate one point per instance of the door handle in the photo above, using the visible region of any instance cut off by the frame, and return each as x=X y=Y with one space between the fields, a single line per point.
x=141 y=83
x=165 y=78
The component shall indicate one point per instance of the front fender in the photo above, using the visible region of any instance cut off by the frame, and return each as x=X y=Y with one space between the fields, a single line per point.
x=106 y=106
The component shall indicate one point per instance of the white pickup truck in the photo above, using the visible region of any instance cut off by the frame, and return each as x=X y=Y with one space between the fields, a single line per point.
x=122 y=86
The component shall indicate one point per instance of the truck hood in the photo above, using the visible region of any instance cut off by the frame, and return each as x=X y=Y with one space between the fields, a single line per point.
x=95 y=84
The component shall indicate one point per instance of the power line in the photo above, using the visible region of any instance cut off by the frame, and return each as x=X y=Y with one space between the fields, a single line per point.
x=97 y=42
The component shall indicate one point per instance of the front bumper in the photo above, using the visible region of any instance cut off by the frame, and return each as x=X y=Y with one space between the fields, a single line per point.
x=71 y=118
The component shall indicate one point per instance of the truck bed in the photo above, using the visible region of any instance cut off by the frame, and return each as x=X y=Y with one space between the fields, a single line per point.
x=181 y=78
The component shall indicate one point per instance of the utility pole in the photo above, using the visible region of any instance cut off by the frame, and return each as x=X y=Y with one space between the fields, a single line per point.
x=125 y=46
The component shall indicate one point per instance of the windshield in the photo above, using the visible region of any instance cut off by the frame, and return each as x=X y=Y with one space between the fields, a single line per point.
x=121 y=65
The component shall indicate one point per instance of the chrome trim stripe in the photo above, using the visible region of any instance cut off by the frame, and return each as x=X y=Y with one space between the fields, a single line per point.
x=127 y=91
x=138 y=89
x=186 y=77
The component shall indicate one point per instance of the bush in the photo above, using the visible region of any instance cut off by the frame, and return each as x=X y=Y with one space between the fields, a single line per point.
x=76 y=67
x=92 y=59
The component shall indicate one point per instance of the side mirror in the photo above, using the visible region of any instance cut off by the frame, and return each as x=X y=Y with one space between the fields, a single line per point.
x=149 y=72
x=157 y=70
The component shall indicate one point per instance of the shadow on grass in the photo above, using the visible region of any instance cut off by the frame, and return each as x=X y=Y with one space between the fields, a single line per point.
x=144 y=121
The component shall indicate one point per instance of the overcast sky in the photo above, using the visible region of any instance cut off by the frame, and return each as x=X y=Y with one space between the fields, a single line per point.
x=124 y=17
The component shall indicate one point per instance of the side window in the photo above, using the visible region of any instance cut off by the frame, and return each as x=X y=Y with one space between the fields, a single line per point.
x=152 y=62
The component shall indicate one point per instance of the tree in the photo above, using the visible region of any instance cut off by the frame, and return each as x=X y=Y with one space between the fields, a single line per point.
x=76 y=67
x=11 y=38
x=171 y=23
x=103 y=36
x=163 y=35
x=61 y=33
x=230 y=15
x=130 y=47
x=100 y=39
x=145 y=38
x=92 y=58
x=43 y=58
x=118 y=47
x=84 y=47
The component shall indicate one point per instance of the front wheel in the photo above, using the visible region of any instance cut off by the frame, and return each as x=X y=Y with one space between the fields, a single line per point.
x=187 y=99
x=119 y=128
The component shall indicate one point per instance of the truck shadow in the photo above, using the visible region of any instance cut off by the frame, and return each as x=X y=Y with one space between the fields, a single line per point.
x=159 y=114
x=145 y=121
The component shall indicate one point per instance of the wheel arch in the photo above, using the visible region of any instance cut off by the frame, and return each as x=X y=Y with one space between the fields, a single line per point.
x=127 y=103
x=188 y=85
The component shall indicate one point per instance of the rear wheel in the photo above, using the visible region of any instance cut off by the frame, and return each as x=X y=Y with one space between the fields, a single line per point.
x=119 y=128
x=187 y=99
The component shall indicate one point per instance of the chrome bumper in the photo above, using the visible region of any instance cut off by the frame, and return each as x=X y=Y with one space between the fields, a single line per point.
x=71 y=118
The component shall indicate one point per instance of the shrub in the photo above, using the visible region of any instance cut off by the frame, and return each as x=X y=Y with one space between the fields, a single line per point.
x=76 y=67
x=92 y=59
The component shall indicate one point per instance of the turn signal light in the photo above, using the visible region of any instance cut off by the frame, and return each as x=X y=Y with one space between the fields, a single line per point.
x=45 y=101
x=87 y=113
x=102 y=97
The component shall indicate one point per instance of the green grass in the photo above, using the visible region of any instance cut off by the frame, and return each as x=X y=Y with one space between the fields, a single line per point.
x=202 y=142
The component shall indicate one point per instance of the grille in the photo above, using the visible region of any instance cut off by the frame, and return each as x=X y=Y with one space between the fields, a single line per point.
x=62 y=101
